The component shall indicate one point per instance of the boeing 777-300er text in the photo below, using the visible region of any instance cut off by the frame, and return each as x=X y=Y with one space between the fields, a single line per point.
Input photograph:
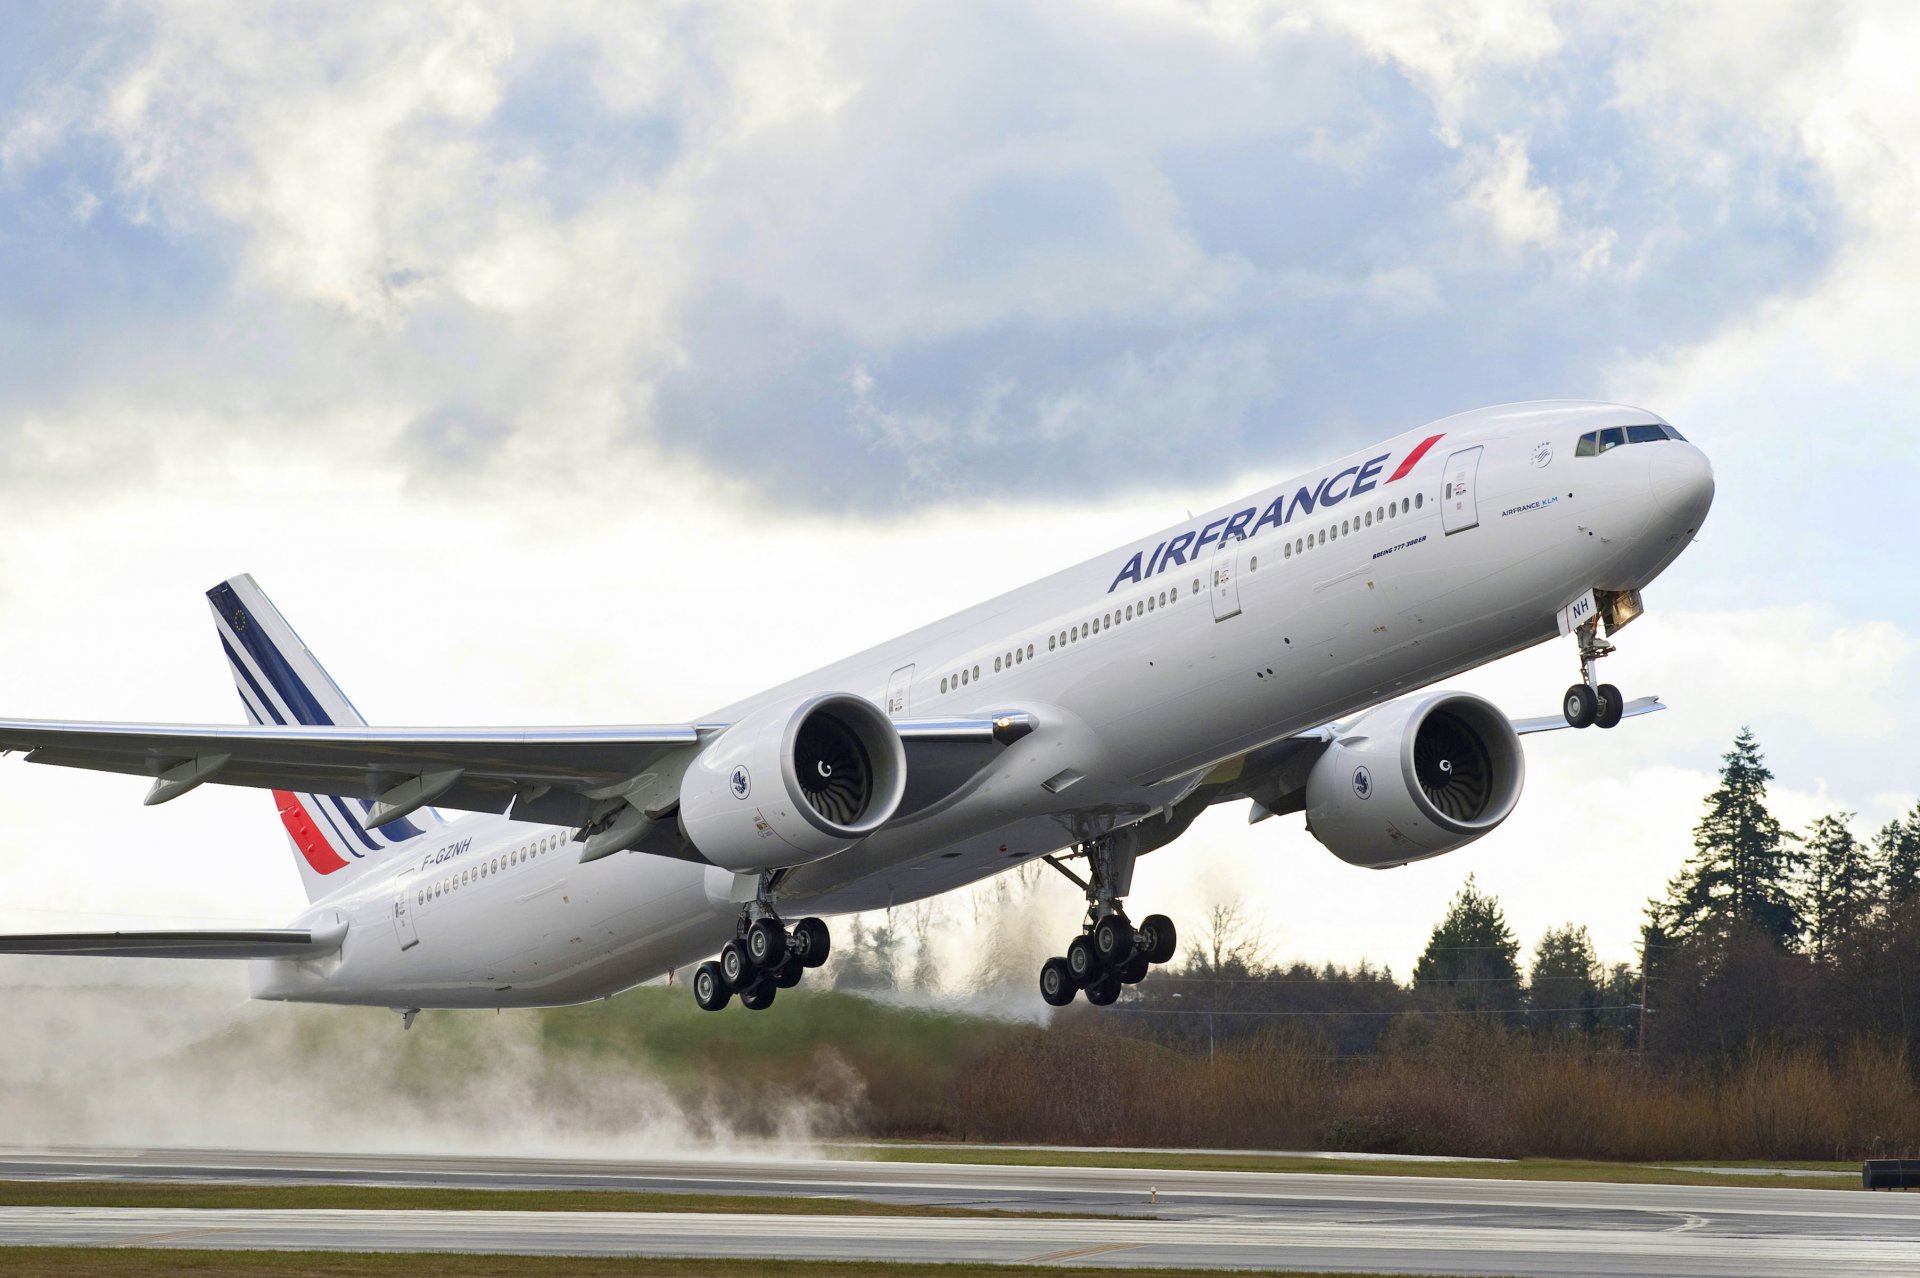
x=1276 y=650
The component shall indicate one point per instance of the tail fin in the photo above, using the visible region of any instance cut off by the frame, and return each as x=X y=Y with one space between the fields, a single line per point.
x=280 y=681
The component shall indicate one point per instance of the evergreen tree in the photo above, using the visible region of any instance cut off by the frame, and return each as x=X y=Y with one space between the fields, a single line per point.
x=1564 y=985
x=1899 y=862
x=1743 y=866
x=1841 y=883
x=1471 y=960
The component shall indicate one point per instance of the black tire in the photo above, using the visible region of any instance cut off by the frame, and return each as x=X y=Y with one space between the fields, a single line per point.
x=810 y=942
x=1157 y=938
x=710 y=992
x=735 y=967
x=1113 y=941
x=1582 y=705
x=766 y=943
x=1083 y=962
x=758 y=997
x=1057 y=985
x=788 y=974
x=1134 y=970
x=1612 y=706
x=1103 y=991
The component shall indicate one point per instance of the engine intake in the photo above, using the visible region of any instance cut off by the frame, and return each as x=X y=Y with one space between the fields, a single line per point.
x=1415 y=778
x=794 y=782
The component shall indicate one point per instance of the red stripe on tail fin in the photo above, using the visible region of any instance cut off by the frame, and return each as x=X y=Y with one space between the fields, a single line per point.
x=1413 y=458
x=313 y=845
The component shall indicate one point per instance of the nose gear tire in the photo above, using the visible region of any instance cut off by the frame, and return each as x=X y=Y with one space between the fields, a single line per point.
x=1582 y=706
x=1610 y=706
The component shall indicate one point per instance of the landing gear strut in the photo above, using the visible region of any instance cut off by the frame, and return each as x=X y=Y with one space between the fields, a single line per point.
x=1591 y=703
x=1110 y=952
x=763 y=957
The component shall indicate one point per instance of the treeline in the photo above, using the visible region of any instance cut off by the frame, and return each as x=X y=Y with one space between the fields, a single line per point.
x=1766 y=939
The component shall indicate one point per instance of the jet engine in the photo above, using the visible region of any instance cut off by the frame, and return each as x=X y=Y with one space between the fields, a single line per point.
x=794 y=782
x=1415 y=778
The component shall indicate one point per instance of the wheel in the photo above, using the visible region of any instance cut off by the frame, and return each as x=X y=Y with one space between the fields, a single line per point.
x=758 y=997
x=1113 y=940
x=1104 y=991
x=1083 y=964
x=1583 y=704
x=710 y=992
x=735 y=968
x=810 y=942
x=1134 y=970
x=788 y=974
x=1157 y=938
x=766 y=943
x=1057 y=985
x=1611 y=707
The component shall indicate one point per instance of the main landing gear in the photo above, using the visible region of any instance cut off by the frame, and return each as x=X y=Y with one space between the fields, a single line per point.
x=1110 y=952
x=1591 y=703
x=764 y=958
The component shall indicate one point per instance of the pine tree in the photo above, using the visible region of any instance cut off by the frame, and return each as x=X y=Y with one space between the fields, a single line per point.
x=1743 y=866
x=1564 y=984
x=1471 y=960
x=1842 y=883
x=1899 y=862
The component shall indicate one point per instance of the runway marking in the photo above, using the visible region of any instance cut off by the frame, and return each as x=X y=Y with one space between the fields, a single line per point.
x=175 y=1235
x=1077 y=1253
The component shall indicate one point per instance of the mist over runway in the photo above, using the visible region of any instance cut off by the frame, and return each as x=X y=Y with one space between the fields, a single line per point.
x=1198 y=1219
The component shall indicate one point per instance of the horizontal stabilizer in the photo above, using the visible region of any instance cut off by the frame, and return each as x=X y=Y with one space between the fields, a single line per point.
x=270 y=942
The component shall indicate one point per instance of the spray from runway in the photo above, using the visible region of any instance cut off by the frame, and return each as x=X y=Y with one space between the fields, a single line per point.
x=167 y=1058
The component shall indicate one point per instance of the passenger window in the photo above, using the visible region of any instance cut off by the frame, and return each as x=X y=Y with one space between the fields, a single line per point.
x=1049 y=643
x=1419 y=500
x=1253 y=563
x=1172 y=595
x=943 y=685
x=1286 y=551
x=1369 y=519
x=996 y=665
x=1029 y=652
x=1196 y=585
x=1645 y=435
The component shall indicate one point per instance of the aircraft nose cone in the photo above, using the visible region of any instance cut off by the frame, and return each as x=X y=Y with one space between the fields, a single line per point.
x=1682 y=483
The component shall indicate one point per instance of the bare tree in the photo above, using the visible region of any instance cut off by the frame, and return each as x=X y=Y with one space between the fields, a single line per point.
x=1230 y=943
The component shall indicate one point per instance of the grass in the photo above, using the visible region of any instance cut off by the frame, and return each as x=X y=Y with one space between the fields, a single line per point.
x=115 y=1262
x=90 y=1193
x=1522 y=1169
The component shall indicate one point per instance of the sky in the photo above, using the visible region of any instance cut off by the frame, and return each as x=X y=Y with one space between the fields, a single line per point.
x=596 y=363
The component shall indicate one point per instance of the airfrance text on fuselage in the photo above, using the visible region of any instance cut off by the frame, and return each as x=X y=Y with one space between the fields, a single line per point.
x=1329 y=492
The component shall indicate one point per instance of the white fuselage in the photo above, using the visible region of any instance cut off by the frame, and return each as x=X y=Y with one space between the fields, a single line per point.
x=1143 y=668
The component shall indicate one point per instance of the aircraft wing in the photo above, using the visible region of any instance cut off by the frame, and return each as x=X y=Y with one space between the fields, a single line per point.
x=254 y=943
x=555 y=775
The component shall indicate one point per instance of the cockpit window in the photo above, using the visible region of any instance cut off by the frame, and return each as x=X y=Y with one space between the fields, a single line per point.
x=1595 y=442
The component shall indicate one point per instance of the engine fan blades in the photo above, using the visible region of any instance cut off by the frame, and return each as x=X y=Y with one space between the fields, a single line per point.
x=1453 y=766
x=835 y=774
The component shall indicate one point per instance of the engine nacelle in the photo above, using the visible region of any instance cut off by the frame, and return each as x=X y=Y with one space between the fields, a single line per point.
x=1415 y=778
x=794 y=782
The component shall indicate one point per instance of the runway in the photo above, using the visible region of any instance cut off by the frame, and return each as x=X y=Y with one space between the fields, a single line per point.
x=1199 y=1219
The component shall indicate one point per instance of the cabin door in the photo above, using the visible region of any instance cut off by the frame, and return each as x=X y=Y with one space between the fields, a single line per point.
x=403 y=914
x=1225 y=575
x=1459 y=504
x=898 y=689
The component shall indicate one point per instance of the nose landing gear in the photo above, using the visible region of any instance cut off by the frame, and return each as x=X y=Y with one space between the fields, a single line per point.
x=1110 y=953
x=1591 y=703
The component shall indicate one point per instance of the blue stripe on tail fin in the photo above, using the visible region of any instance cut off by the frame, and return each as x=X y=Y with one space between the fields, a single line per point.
x=280 y=681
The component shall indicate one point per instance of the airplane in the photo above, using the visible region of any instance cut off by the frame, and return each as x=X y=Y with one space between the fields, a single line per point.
x=1280 y=650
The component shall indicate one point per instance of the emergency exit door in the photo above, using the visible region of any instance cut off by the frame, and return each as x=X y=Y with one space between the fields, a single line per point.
x=899 y=690
x=1460 y=485
x=1226 y=579
x=403 y=914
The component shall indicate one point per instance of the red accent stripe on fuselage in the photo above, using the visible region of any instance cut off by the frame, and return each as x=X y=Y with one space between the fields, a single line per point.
x=1413 y=458
x=313 y=845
